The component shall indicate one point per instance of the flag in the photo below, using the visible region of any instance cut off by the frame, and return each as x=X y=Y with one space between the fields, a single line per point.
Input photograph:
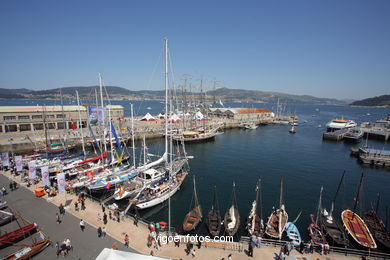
x=32 y=174
x=5 y=158
x=45 y=175
x=108 y=185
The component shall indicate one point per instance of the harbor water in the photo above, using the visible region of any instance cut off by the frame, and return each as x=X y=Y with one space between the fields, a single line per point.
x=305 y=161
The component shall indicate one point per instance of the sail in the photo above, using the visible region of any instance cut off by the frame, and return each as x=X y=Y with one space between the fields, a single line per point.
x=93 y=136
x=116 y=137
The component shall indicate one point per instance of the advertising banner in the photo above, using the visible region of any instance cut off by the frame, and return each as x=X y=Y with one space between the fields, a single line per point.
x=61 y=182
x=45 y=175
x=5 y=158
x=18 y=163
x=96 y=115
x=32 y=173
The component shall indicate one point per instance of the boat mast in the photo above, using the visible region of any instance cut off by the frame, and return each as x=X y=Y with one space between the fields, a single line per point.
x=103 y=117
x=132 y=133
x=281 y=207
x=80 y=123
x=358 y=194
x=144 y=150
x=96 y=106
x=63 y=120
x=319 y=204
x=166 y=100
x=377 y=204
x=110 y=136
x=337 y=192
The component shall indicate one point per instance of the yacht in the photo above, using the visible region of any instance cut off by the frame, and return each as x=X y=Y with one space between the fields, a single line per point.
x=338 y=124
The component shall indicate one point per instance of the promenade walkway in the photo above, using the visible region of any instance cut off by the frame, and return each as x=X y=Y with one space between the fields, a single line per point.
x=87 y=245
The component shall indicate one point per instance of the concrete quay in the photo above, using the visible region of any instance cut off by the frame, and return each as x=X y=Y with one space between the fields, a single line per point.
x=87 y=245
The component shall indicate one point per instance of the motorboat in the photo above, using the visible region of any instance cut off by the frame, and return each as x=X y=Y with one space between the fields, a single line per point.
x=338 y=124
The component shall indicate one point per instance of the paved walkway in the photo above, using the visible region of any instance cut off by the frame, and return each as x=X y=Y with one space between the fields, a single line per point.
x=87 y=245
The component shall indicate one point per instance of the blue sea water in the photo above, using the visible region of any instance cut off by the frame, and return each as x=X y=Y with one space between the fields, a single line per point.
x=305 y=161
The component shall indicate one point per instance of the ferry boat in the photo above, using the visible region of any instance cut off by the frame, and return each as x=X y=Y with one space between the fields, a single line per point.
x=338 y=124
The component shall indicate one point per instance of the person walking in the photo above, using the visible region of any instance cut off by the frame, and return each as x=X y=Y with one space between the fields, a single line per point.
x=104 y=232
x=61 y=209
x=105 y=219
x=126 y=240
x=76 y=206
x=99 y=231
x=193 y=253
x=250 y=249
x=82 y=225
x=301 y=247
x=83 y=204
x=58 y=218
x=230 y=257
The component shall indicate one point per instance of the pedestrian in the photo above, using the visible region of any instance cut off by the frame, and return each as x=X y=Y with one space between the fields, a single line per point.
x=76 y=206
x=63 y=248
x=103 y=208
x=199 y=244
x=176 y=240
x=193 y=253
x=281 y=252
x=230 y=257
x=118 y=217
x=61 y=209
x=82 y=225
x=310 y=247
x=68 y=245
x=99 y=218
x=58 y=218
x=288 y=248
x=110 y=215
x=126 y=240
x=99 y=232
x=105 y=218
x=326 y=249
x=136 y=219
x=258 y=241
x=250 y=249
x=58 y=249
x=11 y=186
x=301 y=247
x=104 y=232
x=188 y=248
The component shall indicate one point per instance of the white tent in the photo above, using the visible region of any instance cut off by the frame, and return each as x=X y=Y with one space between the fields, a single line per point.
x=148 y=117
x=174 y=118
x=199 y=116
x=160 y=116
x=111 y=254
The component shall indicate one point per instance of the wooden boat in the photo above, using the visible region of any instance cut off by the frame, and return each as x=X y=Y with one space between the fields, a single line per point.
x=193 y=217
x=293 y=233
x=231 y=220
x=214 y=217
x=355 y=225
x=6 y=217
x=28 y=251
x=377 y=227
x=292 y=130
x=14 y=236
x=255 y=224
x=196 y=136
x=278 y=218
x=331 y=227
x=315 y=232
x=3 y=205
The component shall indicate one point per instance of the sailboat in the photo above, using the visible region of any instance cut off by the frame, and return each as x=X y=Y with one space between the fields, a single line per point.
x=214 y=217
x=331 y=227
x=377 y=227
x=231 y=221
x=157 y=193
x=293 y=233
x=193 y=217
x=355 y=225
x=255 y=224
x=278 y=218
x=315 y=232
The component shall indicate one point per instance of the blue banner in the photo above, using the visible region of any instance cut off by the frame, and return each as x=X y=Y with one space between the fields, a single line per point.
x=96 y=115
x=116 y=137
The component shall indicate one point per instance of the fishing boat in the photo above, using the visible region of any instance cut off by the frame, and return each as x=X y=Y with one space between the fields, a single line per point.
x=193 y=217
x=249 y=126
x=231 y=220
x=293 y=234
x=353 y=135
x=213 y=220
x=292 y=130
x=255 y=224
x=338 y=124
x=377 y=227
x=28 y=252
x=316 y=234
x=16 y=235
x=355 y=225
x=196 y=136
x=6 y=217
x=331 y=227
x=278 y=218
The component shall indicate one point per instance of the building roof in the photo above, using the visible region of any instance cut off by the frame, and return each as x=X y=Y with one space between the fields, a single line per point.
x=24 y=109
x=241 y=110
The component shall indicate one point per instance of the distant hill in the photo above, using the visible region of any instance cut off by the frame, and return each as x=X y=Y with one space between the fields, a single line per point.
x=383 y=100
x=119 y=93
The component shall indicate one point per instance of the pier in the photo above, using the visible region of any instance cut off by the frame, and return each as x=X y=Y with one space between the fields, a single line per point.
x=335 y=135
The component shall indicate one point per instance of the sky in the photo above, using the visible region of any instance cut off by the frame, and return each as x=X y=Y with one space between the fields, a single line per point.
x=337 y=49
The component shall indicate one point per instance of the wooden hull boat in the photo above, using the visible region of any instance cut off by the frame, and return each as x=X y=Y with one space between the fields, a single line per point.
x=214 y=222
x=14 y=236
x=357 y=229
x=192 y=219
x=333 y=230
x=377 y=228
x=315 y=232
x=275 y=229
x=28 y=251
x=231 y=221
x=6 y=218
x=293 y=234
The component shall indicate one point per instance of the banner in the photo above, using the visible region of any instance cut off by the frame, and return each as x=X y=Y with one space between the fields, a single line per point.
x=96 y=115
x=61 y=183
x=32 y=174
x=5 y=158
x=45 y=175
x=18 y=163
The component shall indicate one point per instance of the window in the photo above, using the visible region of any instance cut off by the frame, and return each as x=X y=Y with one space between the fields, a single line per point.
x=49 y=116
x=23 y=117
x=9 y=117
x=60 y=116
x=37 y=117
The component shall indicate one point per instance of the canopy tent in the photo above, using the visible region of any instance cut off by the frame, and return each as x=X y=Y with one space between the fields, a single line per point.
x=112 y=254
x=161 y=116
x=199 y=116
x=148 y=117
x=174 y=118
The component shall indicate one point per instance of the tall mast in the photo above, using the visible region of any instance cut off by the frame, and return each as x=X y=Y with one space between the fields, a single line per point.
x=80 y=123
x=63 y=120
x=166 y=99
x=281 y=193
x=132 y=133
x=319 y=204
x=144 y=151
x=110 y=136
x=358 y=193
x=103 y=116
x=337 y=192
